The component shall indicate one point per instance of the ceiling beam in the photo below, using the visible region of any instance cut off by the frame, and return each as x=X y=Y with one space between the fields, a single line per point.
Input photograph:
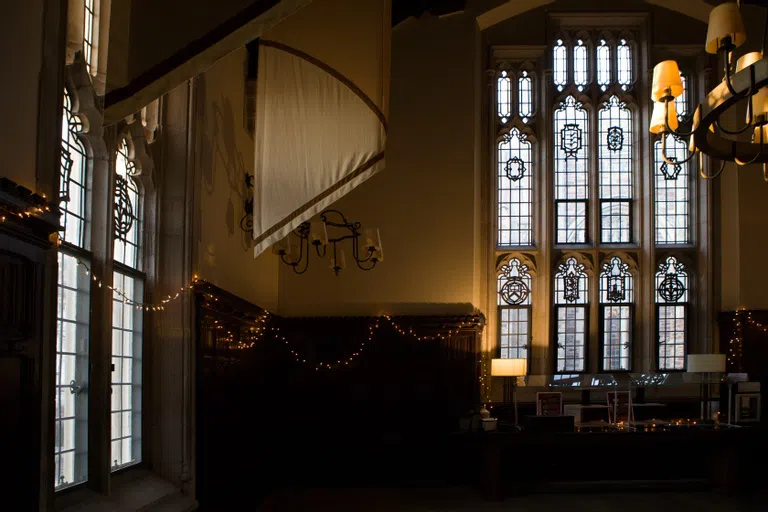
x=696 y=9
x=196 y=57
x=508 y=10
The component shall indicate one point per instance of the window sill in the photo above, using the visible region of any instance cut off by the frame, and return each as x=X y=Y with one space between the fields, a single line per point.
x=132 y=490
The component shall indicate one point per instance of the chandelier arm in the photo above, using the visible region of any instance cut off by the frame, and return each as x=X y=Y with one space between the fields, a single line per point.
x=664 y=153
x=758 y=155
x=750 y=111
x=677 y=133
x=361 y=267
x=325 y=250
x=728 y=83
x=712 y=176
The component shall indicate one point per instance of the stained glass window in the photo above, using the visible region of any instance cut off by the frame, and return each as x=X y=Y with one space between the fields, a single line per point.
x=504 y=97
x=624 y=67
x=580 y=66
x=571 y=136
x=571 y=300
x=672 y=208
x=560 y=64
x=72 y=312
x=616 y=299
x=127 y=221
x=515 y=193
x=671 y=313
x=72 y=178
x=525 y=96
x=615 y=172
x=88 y=35
x=603 y=64
x=514 y=308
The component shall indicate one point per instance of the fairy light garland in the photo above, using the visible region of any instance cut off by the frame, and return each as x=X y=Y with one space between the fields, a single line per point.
x=736 y=343
x=42 y=207
x=340 y=362
x=143 y=306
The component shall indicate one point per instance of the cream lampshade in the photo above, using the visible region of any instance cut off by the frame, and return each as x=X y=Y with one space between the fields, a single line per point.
x=509 y=367
x=725 y=21
x=747 y=60
x=666 y=80
x=658 y=123
x=705 y=363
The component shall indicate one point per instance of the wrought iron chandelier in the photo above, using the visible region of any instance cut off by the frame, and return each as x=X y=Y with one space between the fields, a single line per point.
x=749 y=81
x=295 y=253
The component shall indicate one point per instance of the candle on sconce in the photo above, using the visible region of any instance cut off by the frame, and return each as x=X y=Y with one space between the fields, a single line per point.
x=318 y=232
x=372 y=238
x=342 y=260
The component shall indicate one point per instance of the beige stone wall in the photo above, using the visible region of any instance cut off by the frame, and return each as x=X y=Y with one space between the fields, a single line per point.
x=223 y=154
x=21 y=60
x=423 y=201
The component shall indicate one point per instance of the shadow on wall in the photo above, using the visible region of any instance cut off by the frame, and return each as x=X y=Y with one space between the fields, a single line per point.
x=219 y=156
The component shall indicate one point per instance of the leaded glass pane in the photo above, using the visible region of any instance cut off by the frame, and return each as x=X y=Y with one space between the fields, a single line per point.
x=603 y=64
x=72 y=178
x=571 y=338
x=88 y=35
x=580 y=66
x=672 y=208
x=515 y=199
x=525 y=96
x=615 y=171
x=127 y=217
x=571 y=136
x=504 y=97
x=624 y=63
x=616 y=297
x=671 y=298
x=71 y=384
x=560 y=64
x=681 y=102
x=126 y=406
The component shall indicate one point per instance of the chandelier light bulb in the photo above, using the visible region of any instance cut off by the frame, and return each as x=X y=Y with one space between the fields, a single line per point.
x=725 y=28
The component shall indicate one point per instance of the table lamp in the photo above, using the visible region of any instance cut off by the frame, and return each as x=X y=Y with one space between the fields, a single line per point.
x=510 y=370
x=705 y=364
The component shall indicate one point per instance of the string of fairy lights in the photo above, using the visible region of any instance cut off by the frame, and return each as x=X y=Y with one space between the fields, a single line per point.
x=144 y=306
x=736 y=342
x=337 y=363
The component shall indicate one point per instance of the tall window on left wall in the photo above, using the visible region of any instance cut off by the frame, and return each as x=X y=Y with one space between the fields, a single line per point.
x=127 y=318
x=88 y=34
x=73 y=306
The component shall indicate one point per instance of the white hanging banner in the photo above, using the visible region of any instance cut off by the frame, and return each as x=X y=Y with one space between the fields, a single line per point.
x=321 y=111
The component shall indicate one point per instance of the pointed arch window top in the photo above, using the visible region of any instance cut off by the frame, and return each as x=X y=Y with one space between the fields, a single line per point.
x=515 y=283
x=571 y=283
x=616 y=282
x=671 y=282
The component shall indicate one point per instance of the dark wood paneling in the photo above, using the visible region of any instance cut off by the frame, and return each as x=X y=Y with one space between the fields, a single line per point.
x=266 y=420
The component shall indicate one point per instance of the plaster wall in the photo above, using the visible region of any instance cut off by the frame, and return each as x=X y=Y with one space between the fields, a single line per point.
x=224 y=153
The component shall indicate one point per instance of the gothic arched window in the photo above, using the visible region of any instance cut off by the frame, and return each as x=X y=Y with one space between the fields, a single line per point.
x=571 y=307
x=615 y=172
x=514 y=309
x=571 y=134
x=127 y=317
x=73 y=307
x=515 y=191
x=616 y=312
x=671 y=314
